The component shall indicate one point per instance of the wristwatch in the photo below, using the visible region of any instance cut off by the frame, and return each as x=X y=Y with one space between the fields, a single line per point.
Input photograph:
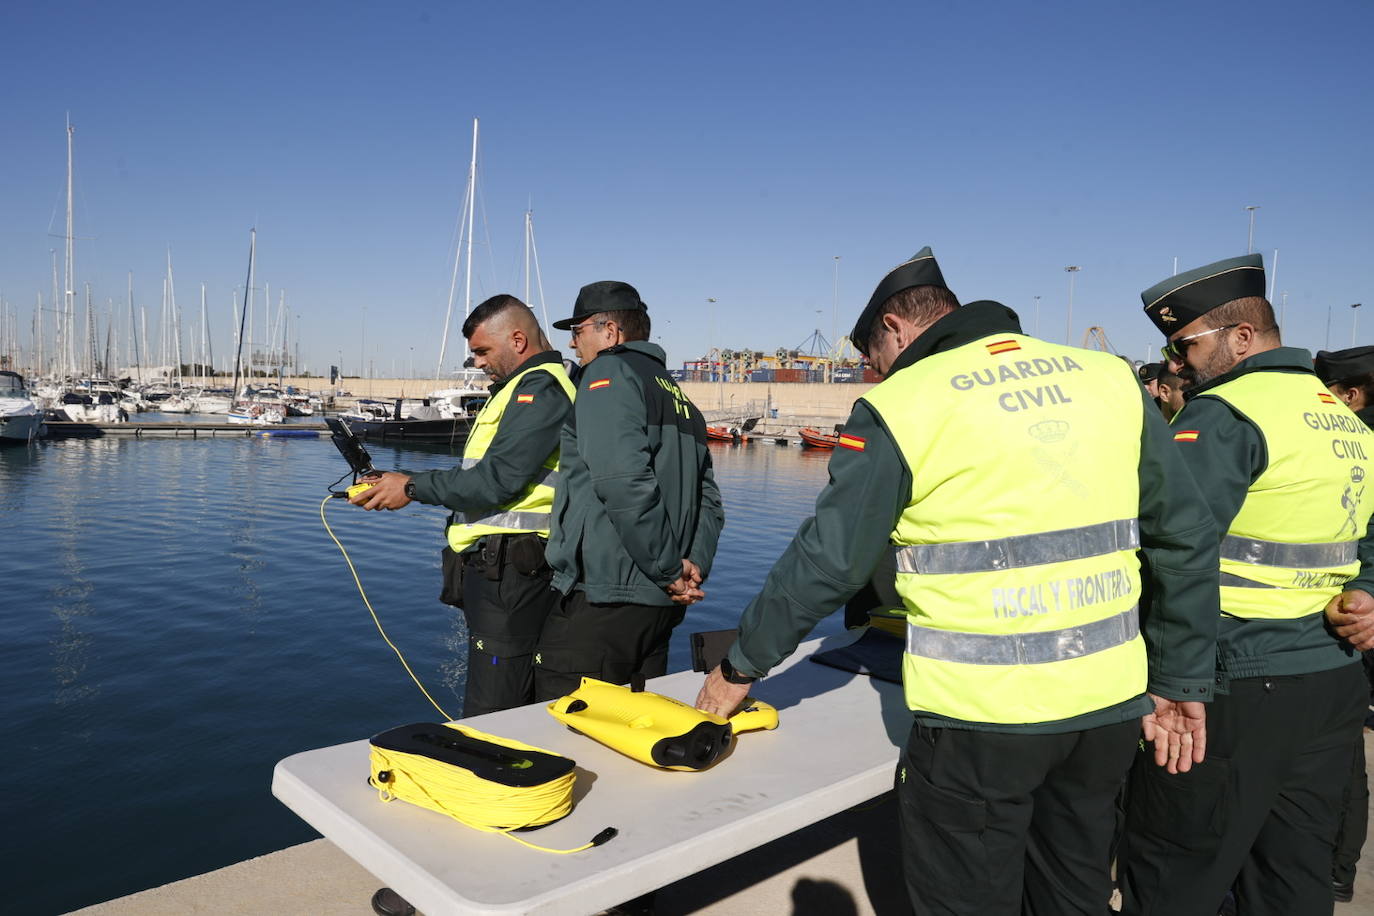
x=410 y=490
x=732 y=676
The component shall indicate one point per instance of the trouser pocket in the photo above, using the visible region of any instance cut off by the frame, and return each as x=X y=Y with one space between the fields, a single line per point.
x=943 y=849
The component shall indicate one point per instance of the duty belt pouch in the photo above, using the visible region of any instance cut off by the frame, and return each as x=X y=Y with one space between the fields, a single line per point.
x=525 y=553
x=451 y=563
x=490 y=550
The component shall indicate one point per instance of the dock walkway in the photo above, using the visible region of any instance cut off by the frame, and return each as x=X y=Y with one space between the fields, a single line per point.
x=59 y=429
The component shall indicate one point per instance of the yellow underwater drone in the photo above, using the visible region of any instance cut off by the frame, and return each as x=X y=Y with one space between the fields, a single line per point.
x=655 y=729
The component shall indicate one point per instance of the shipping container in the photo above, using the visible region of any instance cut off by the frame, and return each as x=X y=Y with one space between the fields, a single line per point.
x=845 y=375
x=815 y=375
x=677 y=375
x=789 y=375
x=761 y=375
x=871 y=375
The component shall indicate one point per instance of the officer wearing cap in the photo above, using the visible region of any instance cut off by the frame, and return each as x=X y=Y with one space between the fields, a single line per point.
x=1350 y=376
x=1014 y=480
x=500 y=496
x=638 y=516
x=1281 y=464
x=1165 y=387
x=1149 y=377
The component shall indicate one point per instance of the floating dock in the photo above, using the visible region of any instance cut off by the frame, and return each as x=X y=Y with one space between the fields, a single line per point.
x=66 y=430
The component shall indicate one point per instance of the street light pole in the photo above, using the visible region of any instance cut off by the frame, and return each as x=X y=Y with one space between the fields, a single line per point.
x=1250 y=244
x=835 y=315
x=1068 y=326
x=1037 y=316
x=1354 y=321
x=720 y=374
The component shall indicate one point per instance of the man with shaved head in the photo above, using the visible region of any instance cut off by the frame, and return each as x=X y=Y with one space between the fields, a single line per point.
x=501 y=496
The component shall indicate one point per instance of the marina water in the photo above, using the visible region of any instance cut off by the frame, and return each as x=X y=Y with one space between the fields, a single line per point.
x=177 y=621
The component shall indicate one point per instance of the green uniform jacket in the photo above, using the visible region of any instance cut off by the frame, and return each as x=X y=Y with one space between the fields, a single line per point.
x=637 y=494
x=836 y=551
x=1226 y=460
x=523 y=442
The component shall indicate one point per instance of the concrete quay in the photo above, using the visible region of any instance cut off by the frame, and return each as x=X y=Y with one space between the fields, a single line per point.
x=802 y=398
x=846 y=865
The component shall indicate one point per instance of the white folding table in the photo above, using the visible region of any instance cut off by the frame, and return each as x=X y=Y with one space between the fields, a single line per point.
x=836 y=746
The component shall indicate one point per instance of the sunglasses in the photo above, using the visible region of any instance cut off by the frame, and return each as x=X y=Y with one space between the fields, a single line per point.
x=577 y=328
x=1175 y=350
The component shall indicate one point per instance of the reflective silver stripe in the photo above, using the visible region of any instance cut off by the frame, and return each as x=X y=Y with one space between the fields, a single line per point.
x=1023 y=648
x=1020 y=550
x=1239 y=582
x=546 y=476
x=512 y=521
x=1293 y=556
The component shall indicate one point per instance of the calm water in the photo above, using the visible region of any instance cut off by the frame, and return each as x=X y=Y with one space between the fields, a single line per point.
x=177 y=621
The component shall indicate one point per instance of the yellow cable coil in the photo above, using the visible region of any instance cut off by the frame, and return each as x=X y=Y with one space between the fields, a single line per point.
x=482 y=804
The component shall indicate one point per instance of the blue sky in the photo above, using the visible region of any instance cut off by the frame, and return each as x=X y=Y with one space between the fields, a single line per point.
x=695 y=150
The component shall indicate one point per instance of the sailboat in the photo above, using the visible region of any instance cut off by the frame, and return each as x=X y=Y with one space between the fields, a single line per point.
x=446 y=414
x=93 y=398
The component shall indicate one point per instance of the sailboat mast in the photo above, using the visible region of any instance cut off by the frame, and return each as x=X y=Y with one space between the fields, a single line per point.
x=69 y=300
x=176 y=318
x=238 y=357
x=457 y=258
x=38 y=338
x=472 y=207
x=90 y=335
x=538 y=278
x=133 y=330
x=204 y=337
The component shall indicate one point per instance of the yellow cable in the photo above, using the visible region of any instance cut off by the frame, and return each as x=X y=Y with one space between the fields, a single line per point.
x=481 y=804
x=467 y=798
x=359 y=583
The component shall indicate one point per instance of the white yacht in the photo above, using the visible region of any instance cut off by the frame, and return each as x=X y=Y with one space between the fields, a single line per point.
x=20 y=418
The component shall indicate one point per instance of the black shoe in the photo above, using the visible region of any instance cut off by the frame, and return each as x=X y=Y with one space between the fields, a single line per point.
x=387 y=902
x=1343 y=891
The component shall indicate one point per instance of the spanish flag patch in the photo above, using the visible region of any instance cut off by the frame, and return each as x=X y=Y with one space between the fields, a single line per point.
x=524 y=399
x=1002 y=346
x=1326 y=397
x=1185 y=435
x=599 y=383
x=851 y=442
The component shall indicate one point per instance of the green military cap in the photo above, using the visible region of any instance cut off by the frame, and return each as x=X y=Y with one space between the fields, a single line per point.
x=919 y=270
x=1337 y=365
x=1148 y=372
x=1180 y=300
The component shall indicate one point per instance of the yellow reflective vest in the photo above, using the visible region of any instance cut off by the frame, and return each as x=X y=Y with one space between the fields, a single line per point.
x=1293 y=545
x=1016 y=552
x=530 y=511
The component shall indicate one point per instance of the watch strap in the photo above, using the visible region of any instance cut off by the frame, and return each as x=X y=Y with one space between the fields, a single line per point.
x=732 y=676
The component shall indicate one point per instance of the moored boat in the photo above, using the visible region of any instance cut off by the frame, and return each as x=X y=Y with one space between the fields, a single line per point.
x=21 y=420
x=817 y=439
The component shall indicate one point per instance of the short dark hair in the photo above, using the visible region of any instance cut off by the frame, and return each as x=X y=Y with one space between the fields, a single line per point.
x=633 y=323
x=489 y=309
x=921 y=304
x=1168 y=377
x=1254 y=310
x=1363 y=383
